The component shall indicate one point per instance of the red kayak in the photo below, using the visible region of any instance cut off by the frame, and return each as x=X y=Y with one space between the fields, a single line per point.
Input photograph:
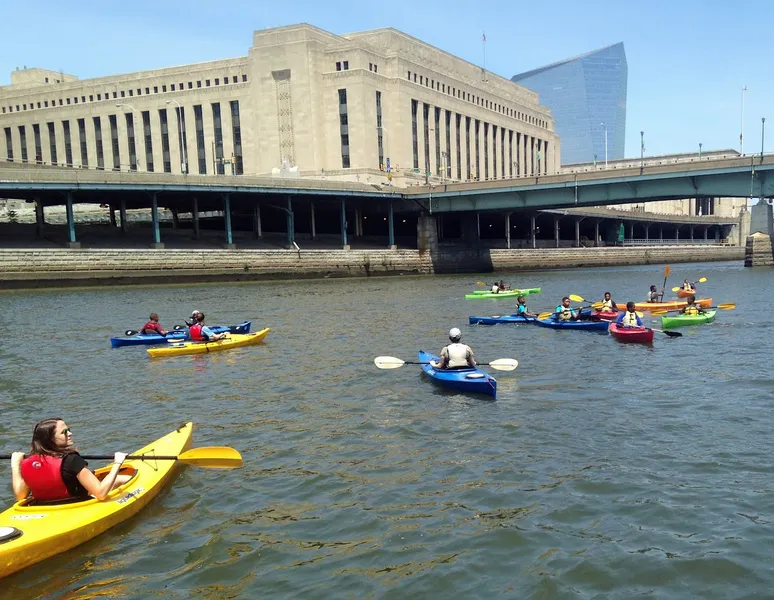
x=598 y=315
x=639 y=335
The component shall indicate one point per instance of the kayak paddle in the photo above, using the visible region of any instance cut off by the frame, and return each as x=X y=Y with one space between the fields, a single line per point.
x=390 y=362
x=668 y=333
x=726 y=306
x=208 y=457
x=131 y=332
x=667 y=271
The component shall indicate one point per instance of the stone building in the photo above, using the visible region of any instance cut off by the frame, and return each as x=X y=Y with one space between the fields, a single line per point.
x=375 y=106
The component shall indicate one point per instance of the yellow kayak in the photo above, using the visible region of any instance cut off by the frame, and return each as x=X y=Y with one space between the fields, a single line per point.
x=235 y=340
x=29 y=533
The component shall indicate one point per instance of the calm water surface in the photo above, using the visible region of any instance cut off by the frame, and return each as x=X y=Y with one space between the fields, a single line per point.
x=603 y=470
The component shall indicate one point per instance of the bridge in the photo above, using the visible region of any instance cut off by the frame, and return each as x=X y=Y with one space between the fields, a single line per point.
x=736 y=176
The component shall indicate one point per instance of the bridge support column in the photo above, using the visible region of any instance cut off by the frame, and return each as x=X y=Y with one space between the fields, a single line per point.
x=577 y=233
x=314 y=228
x=706 y=229
x=112 y=211
x=533 y=231
x=427 y=233
x=596 y=233
x=155 y=218
x=478 y=228
x=195 y=217
x=175 y=218
x=391 y=226
x=227 y=221
x=71 y=243
x=508 y=230
x=691 y=232
x=291 y=226
x=122 y=215
x=40 y=219
x=343 y=219
x=661 y=232
x=358 y=222
x=556 y=231
x=631 y=231
x=257 y=226
x=677 y=232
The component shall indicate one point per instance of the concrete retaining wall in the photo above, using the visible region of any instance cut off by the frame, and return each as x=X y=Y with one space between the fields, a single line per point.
x=759 y=251
x=26 y=268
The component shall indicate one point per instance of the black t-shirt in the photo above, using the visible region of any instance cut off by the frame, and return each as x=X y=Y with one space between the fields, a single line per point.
x=72 y=464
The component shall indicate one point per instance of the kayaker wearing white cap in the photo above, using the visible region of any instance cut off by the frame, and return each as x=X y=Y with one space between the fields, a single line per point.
x=194 y=320
x=456 y=355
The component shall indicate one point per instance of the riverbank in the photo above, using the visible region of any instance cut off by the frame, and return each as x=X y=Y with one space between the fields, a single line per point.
x=61 y=267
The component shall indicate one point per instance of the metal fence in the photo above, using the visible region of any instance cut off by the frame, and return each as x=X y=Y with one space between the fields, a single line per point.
x=674 y=242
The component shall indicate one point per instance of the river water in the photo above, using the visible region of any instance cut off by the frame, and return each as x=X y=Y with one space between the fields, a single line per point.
x=603 y=470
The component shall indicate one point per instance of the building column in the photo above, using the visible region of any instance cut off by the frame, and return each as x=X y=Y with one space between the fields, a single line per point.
x=122 y=215
x=661 y=232
x=478 y=227
x=155 y=218
x=577 y=233
x=195 y=217
x=358 y=222
x=112 y=211
x=556 y=231
x=691 y=228
x=533 y=231
x=596 y=234
x=257 y=228
x=647 y=227
x=314 y=228
x=706 y=229
x=71 y=243
x=391 y=226
x=677 y=232
x=631 y=231
x=175 y=217
x=343 y=220
x=40 y=217
x=227 y=221
x=508 y=231
x=290 y=224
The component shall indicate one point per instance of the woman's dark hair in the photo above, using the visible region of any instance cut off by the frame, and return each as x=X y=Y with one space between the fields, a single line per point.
x=43 y=438
x=200 y=317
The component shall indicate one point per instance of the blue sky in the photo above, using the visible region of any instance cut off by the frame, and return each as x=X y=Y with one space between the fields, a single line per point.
x=688 y=59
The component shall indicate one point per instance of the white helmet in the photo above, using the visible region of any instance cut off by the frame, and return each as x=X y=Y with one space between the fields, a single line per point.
x=455 y=333
x=195 y=312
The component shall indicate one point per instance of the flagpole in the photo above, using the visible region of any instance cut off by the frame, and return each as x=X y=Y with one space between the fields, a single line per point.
x=483 y=42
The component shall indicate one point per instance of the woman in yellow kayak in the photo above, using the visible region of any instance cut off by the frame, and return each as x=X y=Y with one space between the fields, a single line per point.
x=692 y=308
x=55 y=471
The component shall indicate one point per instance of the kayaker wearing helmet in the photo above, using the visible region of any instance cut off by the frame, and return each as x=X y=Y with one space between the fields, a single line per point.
x=199 y=332
x=691 y=308
x=563 y=312
x=55 y=471
x=630 y=318
x=653 y=295
x=456 y=355
x=194 y=314
x=521 y=308
x=608 y=304
x=153 y=325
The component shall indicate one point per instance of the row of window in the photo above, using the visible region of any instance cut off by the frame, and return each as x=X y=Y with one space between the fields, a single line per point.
x=528 y=159
x=474 y=99
x=344 y=66
x=145 y=130
x=227 y=79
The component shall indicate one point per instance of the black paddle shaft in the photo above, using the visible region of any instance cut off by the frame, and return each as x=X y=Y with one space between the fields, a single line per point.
x=111 y=457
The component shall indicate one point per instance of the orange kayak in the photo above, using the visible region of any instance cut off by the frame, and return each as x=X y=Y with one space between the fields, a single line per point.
x=684 y=294
x=670 y=305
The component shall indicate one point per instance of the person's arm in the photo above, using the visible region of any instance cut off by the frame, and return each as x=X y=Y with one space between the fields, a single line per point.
x=620 y=318
x=20 y=489
x=471 y=357
x=160 y=329
x=443 y=358
x=639 y=321
x=95 y=487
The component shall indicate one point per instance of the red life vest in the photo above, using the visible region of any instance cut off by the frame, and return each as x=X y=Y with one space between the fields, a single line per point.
x=43 y=475
x=196 y=333
x=151 y=326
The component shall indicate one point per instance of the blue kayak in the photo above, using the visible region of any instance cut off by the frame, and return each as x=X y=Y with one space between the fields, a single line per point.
x=598 y=326
x=147 y=339
x=495 y=319
x=472 y=381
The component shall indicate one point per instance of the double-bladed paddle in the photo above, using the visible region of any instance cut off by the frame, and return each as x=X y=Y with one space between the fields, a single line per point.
x=700 y=280
x=391 y=362
x=662 y=312
x=131 y=332
x=208 y=457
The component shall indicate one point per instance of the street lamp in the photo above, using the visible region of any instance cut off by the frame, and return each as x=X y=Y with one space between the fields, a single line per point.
x=741 y=124
x=642 y=149
x=605 y=126
x=763 y=123
x=184 y=165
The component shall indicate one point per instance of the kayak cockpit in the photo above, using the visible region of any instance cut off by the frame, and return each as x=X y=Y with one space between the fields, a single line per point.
x=34 y=504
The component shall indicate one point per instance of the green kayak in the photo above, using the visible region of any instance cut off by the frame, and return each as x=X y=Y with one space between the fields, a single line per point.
x=683 y=320
x=507 y=294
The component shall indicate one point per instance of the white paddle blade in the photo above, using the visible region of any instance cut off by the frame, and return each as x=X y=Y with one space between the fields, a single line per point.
x=388 y=362
x=504 y=364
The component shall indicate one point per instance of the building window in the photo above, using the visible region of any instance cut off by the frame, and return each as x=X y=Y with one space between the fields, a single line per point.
x=114 y=140
x=225 y=79
x=123 y=94
x=415 y=77
x=180 y=86
x=172 y=87
x=99 y=97
x=165 y=156
x=200 y=152
x=182 y=138
x=38 y=144
x=164 y=88
x=98 y=140
x=426 y=126
x=486 y=150
x=52 y=142
x=494 y=151
x=502 y=152
x=146 y=129
x=199 y=84
x=437 y=141
x=244 y=77
x=23 y=142
x=207 y=83
x=83 y=98
x=458 y=119
x=190 y=85
x=68 y=102
x=8 y=144
x=217 y=124
x=376 y=68
x=408 y=76
x=345 y=65
x=237 y=133
x=338 y=65
x=344 y=126
x=467 y=147
x=82 y=140
x=155 y=89
x=132 y=146
x=68 y=144
x=45 y=104
x=217 y=81
x=510 y=152
x=478 y=150
x=421 y=80
x=379 y=130
x=448 y=146
x=91 y=99
x=414 y=134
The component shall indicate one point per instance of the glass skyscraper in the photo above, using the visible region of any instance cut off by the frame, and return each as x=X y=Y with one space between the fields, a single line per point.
x=584 y=93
